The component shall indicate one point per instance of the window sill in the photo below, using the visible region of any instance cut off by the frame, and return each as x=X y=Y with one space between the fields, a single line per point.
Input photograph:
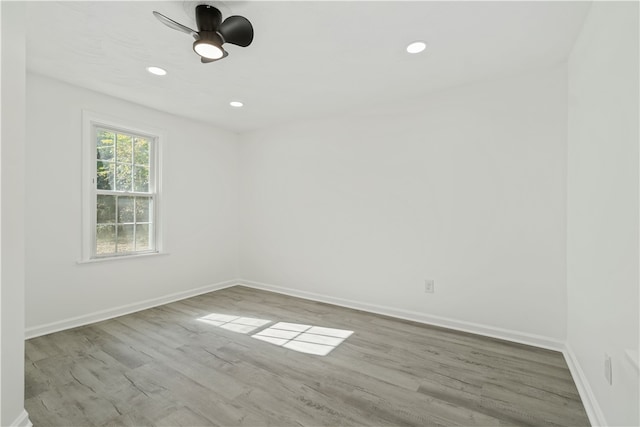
x=121 y=258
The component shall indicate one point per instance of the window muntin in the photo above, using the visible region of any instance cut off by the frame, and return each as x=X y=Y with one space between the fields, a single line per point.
x=123 y=224
x=123 y=161
x=121 y=200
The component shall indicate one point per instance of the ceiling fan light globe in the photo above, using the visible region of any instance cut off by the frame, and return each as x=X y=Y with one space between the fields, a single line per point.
x=206 y=49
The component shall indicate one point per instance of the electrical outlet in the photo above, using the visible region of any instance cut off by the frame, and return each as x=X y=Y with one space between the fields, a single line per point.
x=429 y=286
x=607 y=369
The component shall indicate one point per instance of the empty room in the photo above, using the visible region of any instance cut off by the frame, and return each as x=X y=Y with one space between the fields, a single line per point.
x=319 y=213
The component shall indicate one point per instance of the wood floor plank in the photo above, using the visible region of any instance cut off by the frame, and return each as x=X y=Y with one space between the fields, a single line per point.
x=171 y=366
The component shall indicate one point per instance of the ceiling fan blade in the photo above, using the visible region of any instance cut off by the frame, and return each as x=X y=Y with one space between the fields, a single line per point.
x=208 y=18
x=207 y=60
x=173 y=24
x=237 y=30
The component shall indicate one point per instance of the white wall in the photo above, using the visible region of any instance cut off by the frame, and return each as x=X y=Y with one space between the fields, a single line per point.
x=199 y=209
x=12 y=153
x=603 y=215
x=465 y=186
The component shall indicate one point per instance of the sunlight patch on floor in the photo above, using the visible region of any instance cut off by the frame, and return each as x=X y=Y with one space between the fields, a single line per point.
x=308 y=339
x=303 y=338
x=242 y=325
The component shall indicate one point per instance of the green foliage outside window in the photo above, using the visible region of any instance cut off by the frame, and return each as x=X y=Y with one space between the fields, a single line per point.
x=123 y=222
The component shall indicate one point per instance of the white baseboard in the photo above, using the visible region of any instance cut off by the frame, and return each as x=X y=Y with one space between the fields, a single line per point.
x=595 y=414
x=596 y=417
x=459 y=325
x=22 y=420
x=98 y=316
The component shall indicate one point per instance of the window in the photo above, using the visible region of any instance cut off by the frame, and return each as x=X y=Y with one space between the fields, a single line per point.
x=121 y=196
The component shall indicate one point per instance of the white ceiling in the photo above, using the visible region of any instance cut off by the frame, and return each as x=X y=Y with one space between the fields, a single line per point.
x=308 y=59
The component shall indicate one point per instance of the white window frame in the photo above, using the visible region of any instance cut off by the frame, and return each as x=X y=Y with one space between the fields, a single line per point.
x=90 y=122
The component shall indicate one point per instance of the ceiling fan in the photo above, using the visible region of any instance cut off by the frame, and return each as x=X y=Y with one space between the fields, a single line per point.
x=213 y=32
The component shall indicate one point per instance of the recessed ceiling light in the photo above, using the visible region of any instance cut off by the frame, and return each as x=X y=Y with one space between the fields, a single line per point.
x=236 y=104
x=416 y=47
x=157 y=71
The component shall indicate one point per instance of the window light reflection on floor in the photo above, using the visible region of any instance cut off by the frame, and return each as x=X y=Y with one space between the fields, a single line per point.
x=308 y=339
x=243 y=325
x=303 y=338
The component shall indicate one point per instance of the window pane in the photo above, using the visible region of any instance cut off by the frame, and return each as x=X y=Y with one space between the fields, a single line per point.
x=142 y=237
x=142 y=209
x=123 y=177
x=105 y=153
x=105 y=239
x=105 y=172
x=105 y=138
x=123 y=149
x=106 y=209
x=141 y=151
x=125 y=209
x=123 y=223
x=141 y=180
x=125 y=238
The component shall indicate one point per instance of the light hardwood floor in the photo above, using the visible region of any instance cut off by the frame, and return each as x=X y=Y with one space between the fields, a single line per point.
x=165 y=367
